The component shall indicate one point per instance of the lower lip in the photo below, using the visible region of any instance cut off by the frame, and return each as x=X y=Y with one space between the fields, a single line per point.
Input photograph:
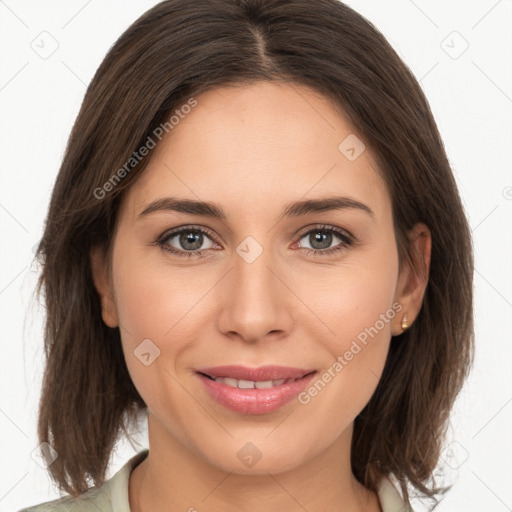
x=255 y=401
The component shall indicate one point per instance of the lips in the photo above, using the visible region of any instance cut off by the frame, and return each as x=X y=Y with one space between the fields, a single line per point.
x=254 y=390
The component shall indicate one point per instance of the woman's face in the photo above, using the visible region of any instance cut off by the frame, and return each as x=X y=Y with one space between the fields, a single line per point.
x=250 y=291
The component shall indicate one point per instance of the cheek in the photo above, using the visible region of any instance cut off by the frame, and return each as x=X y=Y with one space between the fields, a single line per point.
x=160 y=314
x=355 y=308
x=162 y=311
x=352 y=297
x=154 y=301
x=154 y=309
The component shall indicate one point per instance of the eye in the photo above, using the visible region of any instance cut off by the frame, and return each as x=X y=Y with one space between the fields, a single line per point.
x=186 y=241
x=321 y=237
x=190 y=241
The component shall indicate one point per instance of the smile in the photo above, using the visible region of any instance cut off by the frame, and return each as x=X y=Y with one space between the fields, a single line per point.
x=266 y=390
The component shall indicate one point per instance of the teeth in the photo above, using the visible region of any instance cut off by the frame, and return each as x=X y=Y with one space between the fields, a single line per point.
x=230 y=382
x=264 y=384
x=250 y=384
x=245 y=384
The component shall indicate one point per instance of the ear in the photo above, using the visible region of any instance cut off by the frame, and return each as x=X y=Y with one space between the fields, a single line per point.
x=413 y=278
x=103 y=285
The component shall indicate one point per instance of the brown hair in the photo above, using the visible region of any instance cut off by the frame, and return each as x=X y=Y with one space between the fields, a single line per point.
x=179 y=49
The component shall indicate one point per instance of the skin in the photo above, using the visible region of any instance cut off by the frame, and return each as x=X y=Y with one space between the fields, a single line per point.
x=252 y=150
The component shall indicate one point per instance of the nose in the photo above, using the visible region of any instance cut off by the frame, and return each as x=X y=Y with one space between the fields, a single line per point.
x=255 y=300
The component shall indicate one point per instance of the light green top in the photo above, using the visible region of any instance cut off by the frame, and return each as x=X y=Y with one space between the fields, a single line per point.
x=112 y=496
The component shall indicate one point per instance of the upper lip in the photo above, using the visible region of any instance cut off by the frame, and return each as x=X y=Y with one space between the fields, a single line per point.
x=262 y=373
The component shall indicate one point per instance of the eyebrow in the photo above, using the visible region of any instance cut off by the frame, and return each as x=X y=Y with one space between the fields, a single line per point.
x=295 y=209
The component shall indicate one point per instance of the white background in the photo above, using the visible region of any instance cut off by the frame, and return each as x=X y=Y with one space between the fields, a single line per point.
x=471 y=97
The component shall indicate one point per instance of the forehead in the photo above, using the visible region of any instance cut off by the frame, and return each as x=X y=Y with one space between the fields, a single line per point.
x=265 y=143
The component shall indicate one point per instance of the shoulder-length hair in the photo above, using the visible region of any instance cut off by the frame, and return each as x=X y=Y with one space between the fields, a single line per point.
x=173 y=52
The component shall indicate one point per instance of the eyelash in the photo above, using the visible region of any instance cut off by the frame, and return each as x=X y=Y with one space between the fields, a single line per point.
x=347 y=240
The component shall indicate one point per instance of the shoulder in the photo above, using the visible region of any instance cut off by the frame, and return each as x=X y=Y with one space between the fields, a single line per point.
x=112 y=496
x=86 y=502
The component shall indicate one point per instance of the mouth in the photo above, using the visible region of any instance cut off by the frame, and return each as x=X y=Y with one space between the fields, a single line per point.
x=254 y=390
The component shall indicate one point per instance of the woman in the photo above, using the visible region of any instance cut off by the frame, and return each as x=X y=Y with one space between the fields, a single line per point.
x=256 y=239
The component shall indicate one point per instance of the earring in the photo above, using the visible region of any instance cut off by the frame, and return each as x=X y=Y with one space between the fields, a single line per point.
x=405 y=325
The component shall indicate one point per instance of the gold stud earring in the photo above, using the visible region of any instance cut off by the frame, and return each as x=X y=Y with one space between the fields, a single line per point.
x=405 y=325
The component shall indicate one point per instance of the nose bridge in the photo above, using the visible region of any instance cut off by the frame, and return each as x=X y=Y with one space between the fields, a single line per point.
x=254 y=302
